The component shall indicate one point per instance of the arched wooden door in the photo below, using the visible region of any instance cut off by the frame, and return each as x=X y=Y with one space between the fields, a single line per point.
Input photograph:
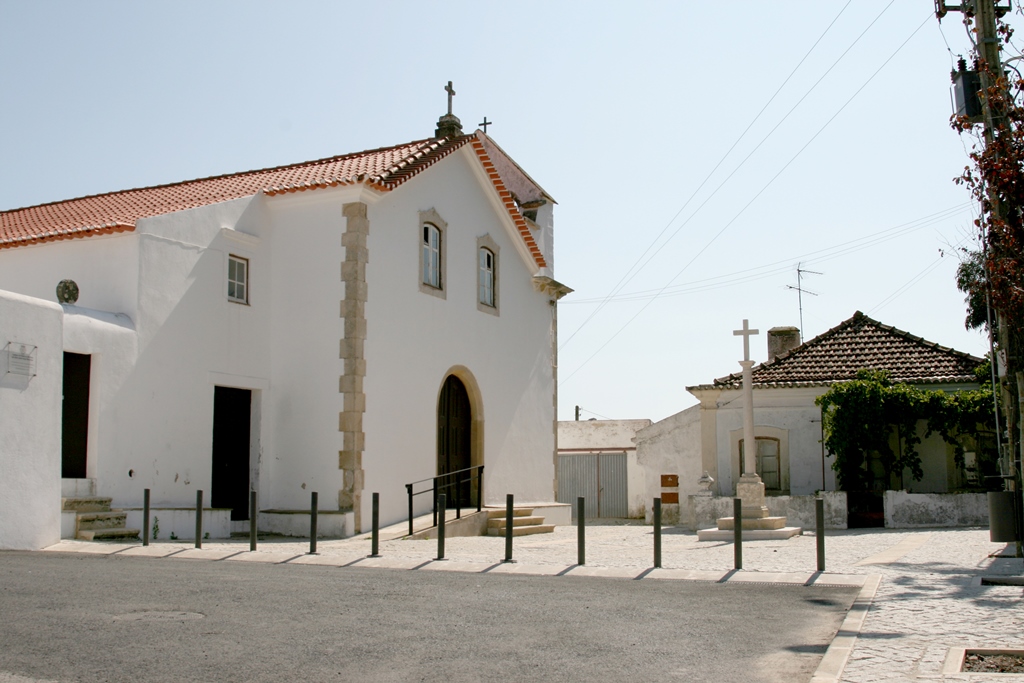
x=454 y=442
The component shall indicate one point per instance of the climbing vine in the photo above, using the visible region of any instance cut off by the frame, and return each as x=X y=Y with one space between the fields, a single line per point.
x=872 y=415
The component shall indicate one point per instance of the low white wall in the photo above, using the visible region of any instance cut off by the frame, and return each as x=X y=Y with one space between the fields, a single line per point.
x=329 y=523
x=703 y=511
x=671 y=446
x=30 y=424
x=181 y=522
x=559 y=514
x=915 y=510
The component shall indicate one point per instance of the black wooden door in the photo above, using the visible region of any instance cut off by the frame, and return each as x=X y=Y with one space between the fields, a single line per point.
x=74 y=432
x=453 y=442
x=230 y=483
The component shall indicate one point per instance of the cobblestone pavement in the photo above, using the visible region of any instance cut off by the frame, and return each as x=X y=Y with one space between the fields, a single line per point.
x=929 y=600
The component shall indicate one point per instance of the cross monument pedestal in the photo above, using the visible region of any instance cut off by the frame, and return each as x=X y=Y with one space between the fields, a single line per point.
x=757 y=523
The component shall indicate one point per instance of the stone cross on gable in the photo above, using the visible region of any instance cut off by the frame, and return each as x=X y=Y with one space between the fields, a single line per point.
x=451 y=93
x=483 y=124
x=746 y=332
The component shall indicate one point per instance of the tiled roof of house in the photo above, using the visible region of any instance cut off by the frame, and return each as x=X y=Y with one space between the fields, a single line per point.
x=855 y=344
x=383 y=169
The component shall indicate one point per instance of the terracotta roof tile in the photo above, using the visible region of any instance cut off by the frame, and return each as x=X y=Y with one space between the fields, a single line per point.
x=510 y=204
x=384 y=169
x=858 y=343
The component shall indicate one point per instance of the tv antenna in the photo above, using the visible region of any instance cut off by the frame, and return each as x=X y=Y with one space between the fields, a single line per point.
x=800 y=293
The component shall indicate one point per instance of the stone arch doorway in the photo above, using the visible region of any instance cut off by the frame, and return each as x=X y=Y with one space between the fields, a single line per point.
x=459 y=435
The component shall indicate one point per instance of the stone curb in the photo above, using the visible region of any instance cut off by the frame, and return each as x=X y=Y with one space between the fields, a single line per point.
x=830 y=668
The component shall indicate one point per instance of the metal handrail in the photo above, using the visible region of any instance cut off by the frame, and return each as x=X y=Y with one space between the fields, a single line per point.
x=437 y=488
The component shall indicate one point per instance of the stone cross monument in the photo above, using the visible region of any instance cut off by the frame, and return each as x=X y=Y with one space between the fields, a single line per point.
x=757 y=524
x=750 y=488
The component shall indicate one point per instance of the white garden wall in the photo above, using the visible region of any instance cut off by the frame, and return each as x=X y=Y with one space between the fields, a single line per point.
x=30 y=424
x=917 y=510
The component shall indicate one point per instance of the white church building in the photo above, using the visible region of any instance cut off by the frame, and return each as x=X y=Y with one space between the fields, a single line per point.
x=347 y=325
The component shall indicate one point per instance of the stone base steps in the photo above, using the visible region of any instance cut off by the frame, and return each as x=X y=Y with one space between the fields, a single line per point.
x=524 y=530
x=760 y=523
x=524 y=523
x=94 y=520
x=752 y=535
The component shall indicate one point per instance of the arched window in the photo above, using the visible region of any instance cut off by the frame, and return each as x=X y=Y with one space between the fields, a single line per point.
x=431 y=250
x=486 y=277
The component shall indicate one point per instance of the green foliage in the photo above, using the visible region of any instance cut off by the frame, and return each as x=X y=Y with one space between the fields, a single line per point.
x=995 y=178
x=156 y=527
x=874 y=415
x=970 y=279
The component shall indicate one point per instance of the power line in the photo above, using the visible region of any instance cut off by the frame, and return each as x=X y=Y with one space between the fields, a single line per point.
x=774 y=268
x=913 y=281
x=755 y=197
x=633 y=270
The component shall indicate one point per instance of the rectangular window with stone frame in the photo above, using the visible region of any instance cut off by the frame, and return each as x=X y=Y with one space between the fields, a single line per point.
x=238 y=279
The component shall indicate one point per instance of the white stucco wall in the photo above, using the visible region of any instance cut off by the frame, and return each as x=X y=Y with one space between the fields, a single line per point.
x=671 y=446
x=155 y=317
x=905 y=510
x=30 y=424
x=301 y=434
x=790 y=414
x=188 y=338
x=414 y=339
x=599 y=434
x=106 y=269
x=791 y=411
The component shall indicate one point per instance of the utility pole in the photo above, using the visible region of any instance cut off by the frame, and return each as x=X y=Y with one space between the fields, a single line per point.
x=984 y=14
x=800 y=294
x=577 y=413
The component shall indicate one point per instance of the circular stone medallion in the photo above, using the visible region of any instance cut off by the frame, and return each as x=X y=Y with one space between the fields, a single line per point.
x=67 y=291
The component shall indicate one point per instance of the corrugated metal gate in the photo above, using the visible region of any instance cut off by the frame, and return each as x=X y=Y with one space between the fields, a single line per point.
x=598 y=477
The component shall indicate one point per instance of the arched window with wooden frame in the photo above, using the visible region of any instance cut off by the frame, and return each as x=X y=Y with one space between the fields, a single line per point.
x=431 y=251
x=432 y=238
x=488 y=269
x=486 y=276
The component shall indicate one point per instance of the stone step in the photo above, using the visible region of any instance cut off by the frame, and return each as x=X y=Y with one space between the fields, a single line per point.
x=758 y=523
x=516 y=521
x=108 y=534
x=86 y=504
x=114 y=519
x=524 y=530
x=516 y=512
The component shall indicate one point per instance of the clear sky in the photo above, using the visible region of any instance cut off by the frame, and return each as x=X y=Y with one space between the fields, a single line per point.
x=699 y=151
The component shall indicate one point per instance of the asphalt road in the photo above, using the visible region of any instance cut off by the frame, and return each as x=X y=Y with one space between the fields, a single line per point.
x=75 y=617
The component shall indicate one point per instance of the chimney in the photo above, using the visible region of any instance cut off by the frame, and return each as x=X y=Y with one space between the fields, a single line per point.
x=782 y=340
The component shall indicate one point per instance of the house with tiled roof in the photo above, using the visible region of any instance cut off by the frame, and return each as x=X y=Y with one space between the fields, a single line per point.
x=791 y=459
x=347 y=325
